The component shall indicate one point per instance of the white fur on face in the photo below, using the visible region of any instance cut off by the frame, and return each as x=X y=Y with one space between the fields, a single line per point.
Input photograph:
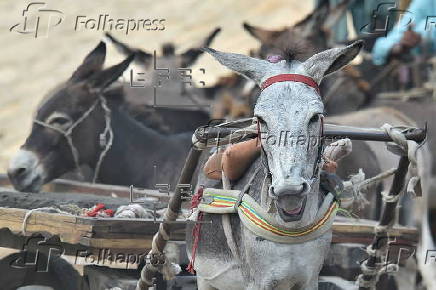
x=31 y=179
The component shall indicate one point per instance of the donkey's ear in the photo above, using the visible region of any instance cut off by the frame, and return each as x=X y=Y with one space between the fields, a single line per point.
x=263 y=35
x=141 y=56
x=106 y=77
x=331 y=60
x=92 y=63
x=250 y=67
x=192 y=54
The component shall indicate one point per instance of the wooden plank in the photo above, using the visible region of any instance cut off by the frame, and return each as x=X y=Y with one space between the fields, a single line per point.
x=66 y=227
x=63 y=186
x=367 y=227
x=135 y=233
x=144 y=243
x=138 y=233
x=24 y=200
x=362 y=231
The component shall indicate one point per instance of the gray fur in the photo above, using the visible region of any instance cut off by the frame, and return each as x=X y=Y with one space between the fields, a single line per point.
x=331 y=60
x=260 y=263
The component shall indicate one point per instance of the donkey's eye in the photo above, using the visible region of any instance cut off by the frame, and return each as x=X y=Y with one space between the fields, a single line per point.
x=59 y=120
x=262 y=122
x=315 y=118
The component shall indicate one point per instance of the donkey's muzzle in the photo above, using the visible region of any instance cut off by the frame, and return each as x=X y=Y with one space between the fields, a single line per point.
x=295 y=189
x=24 y=173
x=291 y=200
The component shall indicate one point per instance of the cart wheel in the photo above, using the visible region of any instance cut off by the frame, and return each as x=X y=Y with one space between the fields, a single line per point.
x=57 y=273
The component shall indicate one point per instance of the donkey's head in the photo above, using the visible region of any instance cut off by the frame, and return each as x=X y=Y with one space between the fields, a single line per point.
x=67 y=125
x=290 y=120
x=168 y=53
x=313 y=32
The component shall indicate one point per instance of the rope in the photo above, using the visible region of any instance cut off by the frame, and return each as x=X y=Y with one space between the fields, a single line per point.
x=389 y=198
x=368 y=271
x=376 y=179
x=133 y=211
x=195 y=201
x=408 y=148
x=68 y=135
x=107 y=129
x=404 y=148
x=41 y=209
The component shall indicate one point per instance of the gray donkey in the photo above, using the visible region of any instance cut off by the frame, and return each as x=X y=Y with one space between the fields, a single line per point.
x=287 y=175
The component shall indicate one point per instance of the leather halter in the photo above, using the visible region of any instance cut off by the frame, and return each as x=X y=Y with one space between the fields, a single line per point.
x=290 y=78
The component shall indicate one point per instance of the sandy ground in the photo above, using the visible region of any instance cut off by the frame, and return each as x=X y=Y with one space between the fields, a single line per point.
x=30 y=66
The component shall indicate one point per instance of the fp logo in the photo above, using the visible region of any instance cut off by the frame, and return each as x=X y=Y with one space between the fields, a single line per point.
x=37 y=20
x=37 y=254
x=384 y=17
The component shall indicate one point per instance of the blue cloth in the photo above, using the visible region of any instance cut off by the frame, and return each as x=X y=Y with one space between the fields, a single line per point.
x=360 y=10
x=423 y=15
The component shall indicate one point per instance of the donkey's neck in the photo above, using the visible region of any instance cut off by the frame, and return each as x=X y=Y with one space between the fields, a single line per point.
x=141 y=156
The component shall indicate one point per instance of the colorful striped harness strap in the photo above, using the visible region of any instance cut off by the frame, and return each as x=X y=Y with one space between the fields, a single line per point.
x=264 y=224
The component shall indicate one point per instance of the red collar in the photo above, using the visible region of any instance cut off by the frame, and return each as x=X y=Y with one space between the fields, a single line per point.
x=290 y=78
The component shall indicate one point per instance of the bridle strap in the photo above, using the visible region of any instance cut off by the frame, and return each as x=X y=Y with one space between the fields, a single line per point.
x=68 y=134
x=290 y=78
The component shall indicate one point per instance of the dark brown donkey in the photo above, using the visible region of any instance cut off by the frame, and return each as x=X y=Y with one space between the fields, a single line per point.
x=348 y=89
x=170 y=70
x=82 y=123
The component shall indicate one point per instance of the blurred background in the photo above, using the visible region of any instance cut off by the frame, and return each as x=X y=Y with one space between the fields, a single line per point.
x=30 y=67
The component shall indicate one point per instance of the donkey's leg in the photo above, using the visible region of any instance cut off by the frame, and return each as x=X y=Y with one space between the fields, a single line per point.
x=203 y=285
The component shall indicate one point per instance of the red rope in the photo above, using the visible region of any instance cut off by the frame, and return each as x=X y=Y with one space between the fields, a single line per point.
x=195 y=201
x=99 y=208
x=196 y=230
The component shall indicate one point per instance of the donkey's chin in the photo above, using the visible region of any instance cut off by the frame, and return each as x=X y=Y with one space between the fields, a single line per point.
x=30 y=185
x=291 y=208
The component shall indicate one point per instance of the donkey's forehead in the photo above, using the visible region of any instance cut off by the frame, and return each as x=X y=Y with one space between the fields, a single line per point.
x=286 y=98
x=283 y=67
x=62 y=99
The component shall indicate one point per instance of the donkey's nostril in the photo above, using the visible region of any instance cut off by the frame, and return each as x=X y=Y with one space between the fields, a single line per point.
x=20 y=171
x=17 y=172
x=305 y=187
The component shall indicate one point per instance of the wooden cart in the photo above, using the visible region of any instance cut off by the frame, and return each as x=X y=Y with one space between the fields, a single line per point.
x=88 y=243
